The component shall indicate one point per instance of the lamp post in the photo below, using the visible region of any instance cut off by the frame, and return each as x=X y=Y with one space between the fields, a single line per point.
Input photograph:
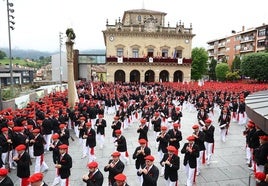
x=61 y=70
x=11 y=23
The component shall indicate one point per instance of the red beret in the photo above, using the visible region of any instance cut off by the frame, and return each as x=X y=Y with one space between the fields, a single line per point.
x=4 y=129
x=3 y=172
x=20 y=147
x=17 y=129
x=264 y=138
x=36 y=177
x=63 y=146
x=88 y=124
x=171 y=148
x=55 y=136
x=260 y=176
x=29 y=127
x=156 y=113
x=190 y=138
x=82 y=118
x=62 y=125
x=120 y=177
x=93 y=164
x=176 y=125
x=36 y=131
x=142 y=141
x=196 y=126
x=10 y=123
x=118 y=131
x=149 y=157
x=250 y=125
x=163 y=128
x=178 y=108
x=208 y=120
x=143 y=121
x=116 y=153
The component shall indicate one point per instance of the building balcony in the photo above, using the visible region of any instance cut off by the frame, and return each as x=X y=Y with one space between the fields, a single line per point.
x=155 y=60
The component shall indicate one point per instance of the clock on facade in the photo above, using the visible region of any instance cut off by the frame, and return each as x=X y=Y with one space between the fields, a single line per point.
x=111 y=38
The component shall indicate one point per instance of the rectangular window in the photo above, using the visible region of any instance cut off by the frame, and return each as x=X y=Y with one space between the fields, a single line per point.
x=25 y=73
x=150 y=52
x=261 y=32
x=178 y=54
x=120 y=52
x=164 y=53
x=135 y=53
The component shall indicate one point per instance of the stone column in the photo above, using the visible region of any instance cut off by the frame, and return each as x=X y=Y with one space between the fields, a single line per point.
x=71 y=84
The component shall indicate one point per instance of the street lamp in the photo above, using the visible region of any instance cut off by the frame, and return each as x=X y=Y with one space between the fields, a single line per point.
x=11 y=23
x=60 y=40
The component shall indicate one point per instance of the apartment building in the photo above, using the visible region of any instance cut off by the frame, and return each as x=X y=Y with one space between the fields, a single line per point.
x=238 y=44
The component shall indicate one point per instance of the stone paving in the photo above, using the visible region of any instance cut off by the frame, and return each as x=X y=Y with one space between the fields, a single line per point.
x=228 y=166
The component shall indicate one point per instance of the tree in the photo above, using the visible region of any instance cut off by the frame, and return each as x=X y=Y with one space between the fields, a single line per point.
x=221 y=70
x=2 y=55
x=255 y=66
x=232 y=76
x=199 y=63
x=211 y=72
x=236 y=64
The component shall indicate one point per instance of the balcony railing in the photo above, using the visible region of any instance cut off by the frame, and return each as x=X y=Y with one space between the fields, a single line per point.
x=146 y=60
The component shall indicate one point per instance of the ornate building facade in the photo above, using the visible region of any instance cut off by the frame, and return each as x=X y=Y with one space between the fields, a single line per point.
x=140 y=48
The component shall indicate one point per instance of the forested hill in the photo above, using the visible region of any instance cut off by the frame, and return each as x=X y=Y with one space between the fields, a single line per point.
x=35 y=54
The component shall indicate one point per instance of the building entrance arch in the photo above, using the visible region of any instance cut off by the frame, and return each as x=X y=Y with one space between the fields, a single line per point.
x=149 y=76
x=164 y=76
x=135 y=76
x=178 y=76
x=119 y=76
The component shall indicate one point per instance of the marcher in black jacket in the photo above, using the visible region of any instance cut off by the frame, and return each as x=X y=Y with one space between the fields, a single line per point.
x=94 y=177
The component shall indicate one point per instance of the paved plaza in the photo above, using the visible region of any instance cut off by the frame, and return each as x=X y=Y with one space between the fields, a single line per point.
x=228 y=166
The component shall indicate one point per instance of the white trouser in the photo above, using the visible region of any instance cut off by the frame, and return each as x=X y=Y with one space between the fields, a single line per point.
x=40 y=164
x=170 y=183
x=91 y=154
x=223 y=134
x=100 y=140
x=248 y=154
x=76 y=131
x=199 y=161
x=124 y=158
x=62 y=182
x=84 y=147
x=155 y=136
x=189 y=174
x=208 y=151
x=47 y=138
x=259 y=168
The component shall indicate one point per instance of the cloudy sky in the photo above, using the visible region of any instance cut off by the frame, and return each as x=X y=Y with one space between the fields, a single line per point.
x=38 y=22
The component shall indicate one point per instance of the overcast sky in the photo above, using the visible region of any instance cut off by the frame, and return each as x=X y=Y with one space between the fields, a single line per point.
x=38 y=22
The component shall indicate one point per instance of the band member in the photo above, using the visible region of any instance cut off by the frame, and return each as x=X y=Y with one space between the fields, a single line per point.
x=199 y=141
x=116 y=125
x=261 y=154
x=139 y=154
x=90 y=142
x=5 y=143
x=224 y=122
x=115 y=166
x=209 y=129
x=149 y=172
x=38 y=147
x=191 y=152
x=5 y=180
x=23 y=164
x=94 y=177
x=202 y=115
x=37 y=180
x=171 y=164
x=64 y=165
x=156 y=122
x=47 y=128
x=120 y=180
x=100 y=124
x=163 y=140
x=64 y=133
x=175 y=136
x=143 y=130
x=121 y=146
